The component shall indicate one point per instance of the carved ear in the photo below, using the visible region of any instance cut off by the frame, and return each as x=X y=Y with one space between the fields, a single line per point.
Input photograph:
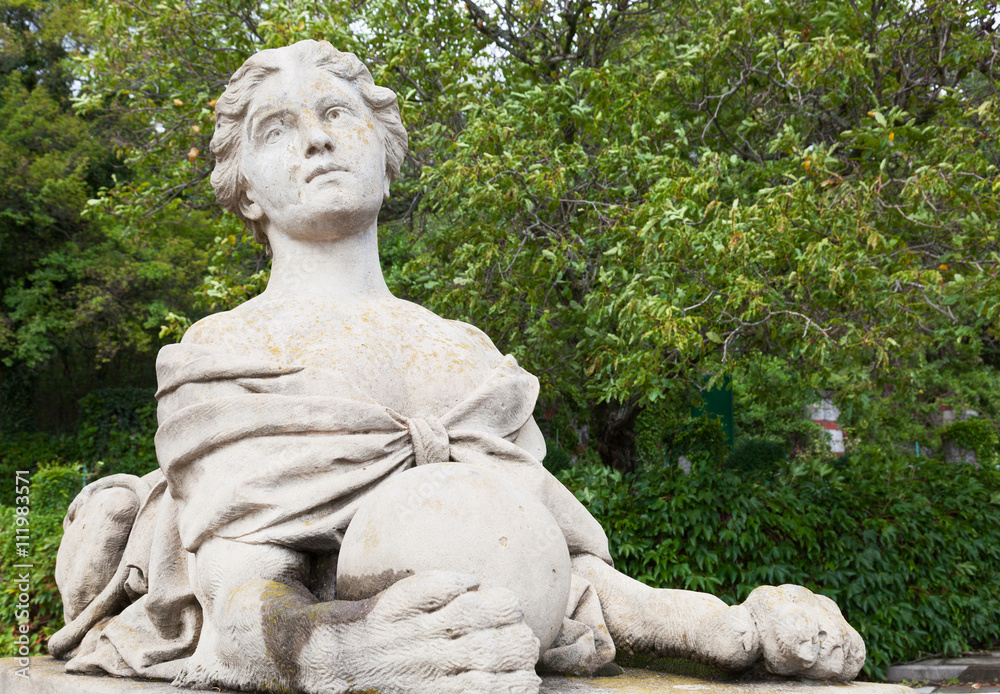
x=250 y=209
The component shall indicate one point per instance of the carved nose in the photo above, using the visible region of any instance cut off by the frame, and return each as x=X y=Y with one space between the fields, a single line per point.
x=318 y=140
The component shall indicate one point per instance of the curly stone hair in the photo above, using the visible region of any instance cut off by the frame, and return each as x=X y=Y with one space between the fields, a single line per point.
x=231 y=110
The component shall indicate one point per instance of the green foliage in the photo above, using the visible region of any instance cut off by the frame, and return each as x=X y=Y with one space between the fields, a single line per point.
x=49 y=159
x=665 y=212
x=873 y=535
x=977 y=435
x=53 y=487
x=616 y=199
x=39 y=37
x=83 y=293
x=25 y=452
x=163 y=110
x=236 y=271
x=116 y=432
x=702 y=440
x=769 y=402
x=46 y=158
x=650 y=427
x=114 y=435
x=16 y=389
x=756 y=455
x=556 y=459
x=103 y=297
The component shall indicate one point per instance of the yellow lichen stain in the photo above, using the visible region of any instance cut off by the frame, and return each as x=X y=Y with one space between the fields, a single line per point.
x=503 y=541
x=386 y=348
x=277 y=688
x=371 y=538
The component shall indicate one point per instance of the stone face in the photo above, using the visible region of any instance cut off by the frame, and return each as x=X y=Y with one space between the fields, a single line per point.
x=458 y=517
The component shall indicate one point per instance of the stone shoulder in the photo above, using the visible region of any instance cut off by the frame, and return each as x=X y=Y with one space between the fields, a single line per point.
x=238 y=328
x=213 y=329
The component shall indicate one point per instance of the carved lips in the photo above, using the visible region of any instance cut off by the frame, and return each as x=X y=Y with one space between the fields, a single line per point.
x=326 y=168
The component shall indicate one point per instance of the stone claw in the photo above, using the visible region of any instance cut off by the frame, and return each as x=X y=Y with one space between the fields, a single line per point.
x=805 y=634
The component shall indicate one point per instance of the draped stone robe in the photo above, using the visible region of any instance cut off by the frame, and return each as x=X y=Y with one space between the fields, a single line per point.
x=261 y=452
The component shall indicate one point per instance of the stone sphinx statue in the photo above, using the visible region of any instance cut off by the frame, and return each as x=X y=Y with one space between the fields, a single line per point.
x=282 y=420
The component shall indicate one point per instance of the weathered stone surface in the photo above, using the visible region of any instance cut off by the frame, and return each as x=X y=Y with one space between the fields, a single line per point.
x=460 y=518
x=48 y=677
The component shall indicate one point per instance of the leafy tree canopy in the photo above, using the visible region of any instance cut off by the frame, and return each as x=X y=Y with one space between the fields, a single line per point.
x=36 y=38
x=634 y=195
x=78 y=288
x=814 y=180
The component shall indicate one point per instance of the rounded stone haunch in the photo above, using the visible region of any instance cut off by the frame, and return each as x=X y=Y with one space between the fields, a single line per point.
x=460 y=518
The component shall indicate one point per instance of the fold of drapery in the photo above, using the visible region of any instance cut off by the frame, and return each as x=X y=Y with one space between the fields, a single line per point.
x=260 y=452
x=264 y=453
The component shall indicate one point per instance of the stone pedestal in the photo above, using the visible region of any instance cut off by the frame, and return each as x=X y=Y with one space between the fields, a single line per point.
x=46 y=676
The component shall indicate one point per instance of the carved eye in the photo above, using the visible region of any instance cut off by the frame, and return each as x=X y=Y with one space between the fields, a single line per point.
x=274 y=132
x=333 y=113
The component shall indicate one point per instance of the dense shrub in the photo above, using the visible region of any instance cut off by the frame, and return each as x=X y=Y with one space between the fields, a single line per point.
x=701 y=440
x=114 y=435
x=976 y=435
x=756 y=454
x=556 y=458
x=116 y=428
x=908 y=548
x=23 y=452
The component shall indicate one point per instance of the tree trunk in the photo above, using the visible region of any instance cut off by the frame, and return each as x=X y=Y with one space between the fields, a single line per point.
x=612 y=434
